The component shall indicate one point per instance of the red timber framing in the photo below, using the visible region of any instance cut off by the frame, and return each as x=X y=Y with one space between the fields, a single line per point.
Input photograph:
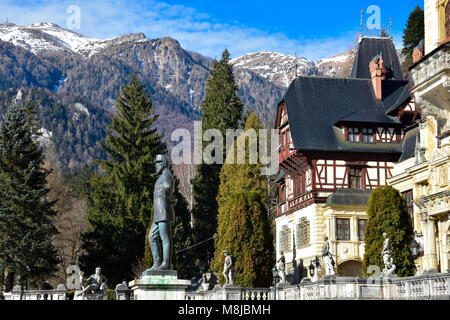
x=409 y=112
x=333 y=174
x=325 y=171
x=377 y=133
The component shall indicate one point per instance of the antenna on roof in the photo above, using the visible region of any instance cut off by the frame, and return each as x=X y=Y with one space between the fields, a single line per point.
x=390 y=27
x=362 y=19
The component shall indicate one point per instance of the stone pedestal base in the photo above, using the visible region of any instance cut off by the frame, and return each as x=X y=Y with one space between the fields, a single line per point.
x=98 y=296
x=159 y=285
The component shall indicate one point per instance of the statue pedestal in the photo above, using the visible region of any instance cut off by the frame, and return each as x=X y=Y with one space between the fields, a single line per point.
x=159 y=285
x=89 y=296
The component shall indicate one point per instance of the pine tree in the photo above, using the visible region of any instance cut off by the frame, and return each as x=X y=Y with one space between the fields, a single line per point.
x=121 y=200
x=132 y=145
x=388 y=213
x=413 y=33
x=244 y=228
x=112 y=241
x=222 y=109
x=26 y=216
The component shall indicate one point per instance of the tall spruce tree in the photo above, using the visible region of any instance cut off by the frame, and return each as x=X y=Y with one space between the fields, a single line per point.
x=222 y=109
x=388 y=213
x=413 y=33
x=121 y=201
x=26 y=216
x=132 y=145
x=244 y=229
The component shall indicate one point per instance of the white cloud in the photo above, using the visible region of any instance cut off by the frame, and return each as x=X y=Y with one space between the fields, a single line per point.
x=194 y=30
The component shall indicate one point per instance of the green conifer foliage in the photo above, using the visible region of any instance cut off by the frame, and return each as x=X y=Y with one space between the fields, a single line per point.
x=222 y=109
x=413 y=33
x=26 y=216
x=415 y=30
x=132 y=145
x=388 y=213
x=122 y=198
x=243 y=222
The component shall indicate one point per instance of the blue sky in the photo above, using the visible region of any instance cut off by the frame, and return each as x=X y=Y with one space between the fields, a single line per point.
x=313 y=29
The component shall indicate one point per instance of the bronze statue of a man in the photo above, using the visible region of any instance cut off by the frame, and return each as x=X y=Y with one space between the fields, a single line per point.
x=163 y=215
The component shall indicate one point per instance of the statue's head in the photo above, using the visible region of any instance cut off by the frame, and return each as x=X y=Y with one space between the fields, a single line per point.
x=384 y=235
x=161 y=163
x=98 y=270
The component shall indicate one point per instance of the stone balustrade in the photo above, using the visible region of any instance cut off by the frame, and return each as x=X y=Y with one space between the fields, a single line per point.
x=424 y=287
x=18 y=294
x=231 y=293
x=432 y=286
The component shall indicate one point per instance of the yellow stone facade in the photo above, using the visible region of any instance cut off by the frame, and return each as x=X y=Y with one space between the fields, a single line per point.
x=435 y=31
x=427 y=172
x=320 y=220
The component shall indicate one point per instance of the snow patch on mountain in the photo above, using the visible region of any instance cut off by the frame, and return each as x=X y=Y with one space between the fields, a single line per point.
x=80 y=107
x=45 y=36
x=275 y=67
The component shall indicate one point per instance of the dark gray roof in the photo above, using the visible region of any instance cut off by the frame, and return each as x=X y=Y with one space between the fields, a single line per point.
x=280 y=177
x=351 y=197
x=368 y=48
x=314 y=105
x=409 y=143
x=395 y=94
x=370 y=115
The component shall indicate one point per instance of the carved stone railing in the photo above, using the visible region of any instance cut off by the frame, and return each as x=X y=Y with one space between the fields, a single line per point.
x=426 y=287
x=231 y=293
x=18 y=294
x=256 y=293
x=431 y=65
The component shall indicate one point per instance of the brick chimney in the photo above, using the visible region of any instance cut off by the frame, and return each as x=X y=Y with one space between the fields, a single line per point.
x=377 y=73
x=419 y=52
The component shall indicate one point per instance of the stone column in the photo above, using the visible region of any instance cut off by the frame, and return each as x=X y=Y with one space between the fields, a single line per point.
x=429 y=258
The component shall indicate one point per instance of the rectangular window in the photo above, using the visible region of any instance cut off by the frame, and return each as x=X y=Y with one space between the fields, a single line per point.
x=362 y=229
x=367 y=135
x=282 y=196
x=342 y=229
x=408 y=196
x=353 y=134
x=354 y=178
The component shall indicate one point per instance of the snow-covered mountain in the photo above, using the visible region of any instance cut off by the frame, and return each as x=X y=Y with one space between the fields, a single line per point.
x=337 y=66
x=280 y=69
x=46 y=36
x=276 y=67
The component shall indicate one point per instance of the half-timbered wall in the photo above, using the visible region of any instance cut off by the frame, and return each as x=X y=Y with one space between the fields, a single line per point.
x=333 y=174
x=371 y=134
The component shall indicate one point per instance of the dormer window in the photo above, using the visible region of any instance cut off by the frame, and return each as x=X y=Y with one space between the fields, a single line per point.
x=353 y=134
x=360 y=135
x=367 y=135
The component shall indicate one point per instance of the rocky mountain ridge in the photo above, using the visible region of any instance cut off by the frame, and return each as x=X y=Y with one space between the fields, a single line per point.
x=82 y=76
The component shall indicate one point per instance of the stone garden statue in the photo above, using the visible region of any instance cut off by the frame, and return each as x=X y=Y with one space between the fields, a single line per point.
x=281 y=267
x=328 y=258
x=96 y=283
x=163 y=215
x=389 y=266
x=227 y=270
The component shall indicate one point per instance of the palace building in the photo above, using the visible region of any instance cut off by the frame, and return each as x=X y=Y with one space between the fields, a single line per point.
x=422 y=173
x=340 y=138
